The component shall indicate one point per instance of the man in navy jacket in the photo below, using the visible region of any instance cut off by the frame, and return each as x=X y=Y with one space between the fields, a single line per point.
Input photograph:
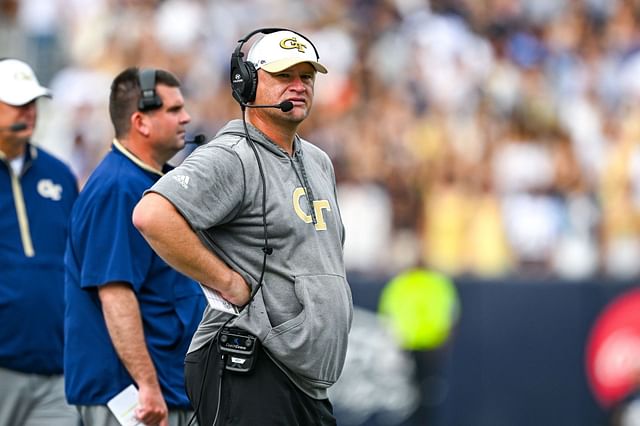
x=37 y=192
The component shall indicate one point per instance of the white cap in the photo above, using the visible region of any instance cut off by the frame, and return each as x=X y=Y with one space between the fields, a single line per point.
x=280 y=50
x=18 y=83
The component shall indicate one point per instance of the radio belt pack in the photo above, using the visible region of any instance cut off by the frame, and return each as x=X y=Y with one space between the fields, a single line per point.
x=240 y=349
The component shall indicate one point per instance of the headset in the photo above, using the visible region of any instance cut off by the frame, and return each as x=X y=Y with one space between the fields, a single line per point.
x=243 y=74
x=149 y=99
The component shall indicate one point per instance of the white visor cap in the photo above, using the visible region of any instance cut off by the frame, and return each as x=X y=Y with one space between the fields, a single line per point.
x=280 y=50
x=19 y=84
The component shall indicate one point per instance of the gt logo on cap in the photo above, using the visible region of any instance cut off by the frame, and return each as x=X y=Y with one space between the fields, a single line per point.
x=292 y=43
x=24 y=76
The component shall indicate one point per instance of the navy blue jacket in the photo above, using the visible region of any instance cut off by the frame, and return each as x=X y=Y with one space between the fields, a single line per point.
x=34 y=213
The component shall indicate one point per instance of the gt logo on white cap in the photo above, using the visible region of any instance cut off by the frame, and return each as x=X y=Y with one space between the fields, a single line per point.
x=292 y=43
x=47 y=189
x=22 y=75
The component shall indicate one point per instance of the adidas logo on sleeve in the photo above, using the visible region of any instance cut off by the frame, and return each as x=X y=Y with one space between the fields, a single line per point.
x=182 y=180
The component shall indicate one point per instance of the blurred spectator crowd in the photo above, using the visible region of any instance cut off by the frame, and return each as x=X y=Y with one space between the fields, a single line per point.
x=478 y=137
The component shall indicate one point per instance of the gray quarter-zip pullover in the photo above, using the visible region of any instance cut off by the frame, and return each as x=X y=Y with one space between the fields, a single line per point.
x=302 y=313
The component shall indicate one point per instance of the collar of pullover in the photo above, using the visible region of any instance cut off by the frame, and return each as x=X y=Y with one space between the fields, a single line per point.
x=235 y=126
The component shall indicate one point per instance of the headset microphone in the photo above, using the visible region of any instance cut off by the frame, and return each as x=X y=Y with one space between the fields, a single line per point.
x=197 y=140
x=15 y=127
x=285 y=106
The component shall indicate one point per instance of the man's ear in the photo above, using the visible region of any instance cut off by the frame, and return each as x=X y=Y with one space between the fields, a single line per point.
x=140 y=123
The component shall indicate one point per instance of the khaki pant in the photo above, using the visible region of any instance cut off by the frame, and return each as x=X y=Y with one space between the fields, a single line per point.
x=100 y=415
x=34 y=400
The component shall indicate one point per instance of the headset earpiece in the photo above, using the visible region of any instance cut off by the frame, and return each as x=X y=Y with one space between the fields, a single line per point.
x=244 y=78
x=149 y=99
x=243 y=74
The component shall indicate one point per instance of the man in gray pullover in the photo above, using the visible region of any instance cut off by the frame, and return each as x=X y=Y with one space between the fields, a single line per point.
x=253 y=215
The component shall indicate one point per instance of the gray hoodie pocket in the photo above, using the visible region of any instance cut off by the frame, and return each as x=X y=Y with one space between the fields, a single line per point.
x=313 y=344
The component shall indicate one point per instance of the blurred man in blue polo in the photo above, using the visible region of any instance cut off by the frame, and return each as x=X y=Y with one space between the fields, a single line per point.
x=129 y=317
x=37 y=192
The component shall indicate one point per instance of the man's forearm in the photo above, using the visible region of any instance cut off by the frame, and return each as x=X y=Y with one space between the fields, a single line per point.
x=122 y=316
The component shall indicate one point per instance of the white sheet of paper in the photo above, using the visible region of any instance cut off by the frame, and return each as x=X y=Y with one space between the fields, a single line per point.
x=216 y=301
x=123 y=406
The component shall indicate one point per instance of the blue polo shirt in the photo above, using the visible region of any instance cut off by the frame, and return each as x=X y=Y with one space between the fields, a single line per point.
x=34 y=211
x=104 y=247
